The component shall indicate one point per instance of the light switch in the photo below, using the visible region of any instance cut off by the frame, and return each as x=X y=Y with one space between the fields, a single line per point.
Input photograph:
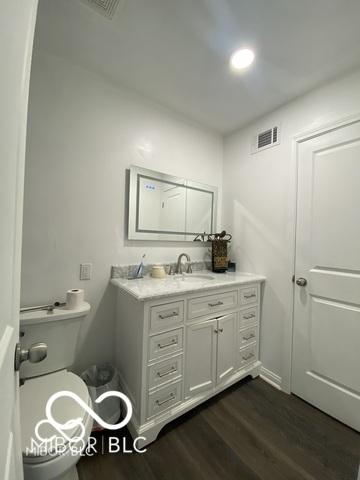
x=85 y=271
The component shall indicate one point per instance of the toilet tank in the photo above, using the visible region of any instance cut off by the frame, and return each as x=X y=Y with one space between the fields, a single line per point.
x=59 y=330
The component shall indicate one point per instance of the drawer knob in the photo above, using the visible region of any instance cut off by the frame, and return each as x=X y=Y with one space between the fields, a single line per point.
x=164 y=374
x=251 y=315
x=250 y=295
x=164 y=345
x=248 y=337
x=247 y=357
x=169 y=315
x=216 y=304
x=161 y=402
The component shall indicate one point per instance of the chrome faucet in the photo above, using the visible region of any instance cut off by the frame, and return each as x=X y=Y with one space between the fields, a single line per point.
x=179 y=268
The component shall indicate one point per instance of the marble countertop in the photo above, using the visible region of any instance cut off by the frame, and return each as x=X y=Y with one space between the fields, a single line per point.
x=149 y=288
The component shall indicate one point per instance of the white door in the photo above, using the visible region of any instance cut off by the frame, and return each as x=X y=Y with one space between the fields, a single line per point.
x=226 y=347
x=200 y=357
x=326 y=347
x=17 y=21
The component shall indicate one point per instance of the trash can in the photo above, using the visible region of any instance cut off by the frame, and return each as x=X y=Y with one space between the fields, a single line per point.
x=100 y=379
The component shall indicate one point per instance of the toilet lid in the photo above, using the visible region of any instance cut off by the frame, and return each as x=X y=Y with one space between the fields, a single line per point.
x=34 y=395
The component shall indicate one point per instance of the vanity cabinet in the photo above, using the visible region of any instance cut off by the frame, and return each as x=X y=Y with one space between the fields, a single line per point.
x=226 y=347
x=210 y=353
x=174 y=352
x=200 y=357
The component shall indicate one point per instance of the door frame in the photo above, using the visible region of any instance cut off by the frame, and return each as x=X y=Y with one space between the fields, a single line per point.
x=301 y=137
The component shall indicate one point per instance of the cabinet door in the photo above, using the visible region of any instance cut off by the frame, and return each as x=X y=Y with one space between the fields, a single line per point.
x=200 y=357
x=226 y=347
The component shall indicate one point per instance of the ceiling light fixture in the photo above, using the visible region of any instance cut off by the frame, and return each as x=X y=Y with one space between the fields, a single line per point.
x=242 y=59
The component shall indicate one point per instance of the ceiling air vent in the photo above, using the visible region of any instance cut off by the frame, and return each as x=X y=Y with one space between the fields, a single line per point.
x=106 y=8
x=265 y=139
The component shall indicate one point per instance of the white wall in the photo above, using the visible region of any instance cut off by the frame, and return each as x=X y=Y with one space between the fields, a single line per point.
x=83 y=133
x=258 y=205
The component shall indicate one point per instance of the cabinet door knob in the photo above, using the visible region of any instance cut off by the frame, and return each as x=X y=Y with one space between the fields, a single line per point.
x=302 y=282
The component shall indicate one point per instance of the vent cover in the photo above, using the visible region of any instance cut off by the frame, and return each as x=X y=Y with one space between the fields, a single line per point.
x=265 y=139
x=106 y=8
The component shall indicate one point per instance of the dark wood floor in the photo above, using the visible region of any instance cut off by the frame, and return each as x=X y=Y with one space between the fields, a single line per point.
x=250 y=431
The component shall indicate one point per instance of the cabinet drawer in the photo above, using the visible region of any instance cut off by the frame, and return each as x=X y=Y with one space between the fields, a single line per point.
x=163 y=317
x=249 y=295
x=165 y=371
x=165 y=344
x=247 y=336
x=248 y=317
x=198 y=307
x=247 y=355
x=164 y=398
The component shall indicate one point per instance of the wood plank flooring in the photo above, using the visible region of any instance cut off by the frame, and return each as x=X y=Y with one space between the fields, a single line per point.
x=249 y=432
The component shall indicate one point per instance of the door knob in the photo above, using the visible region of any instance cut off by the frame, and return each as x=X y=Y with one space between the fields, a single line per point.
x=35 y=354
x=301 y=282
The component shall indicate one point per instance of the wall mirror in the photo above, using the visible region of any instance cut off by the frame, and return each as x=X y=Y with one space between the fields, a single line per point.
x=163 y=207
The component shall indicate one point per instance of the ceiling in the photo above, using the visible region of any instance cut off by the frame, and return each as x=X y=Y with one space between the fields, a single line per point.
x=176 y=52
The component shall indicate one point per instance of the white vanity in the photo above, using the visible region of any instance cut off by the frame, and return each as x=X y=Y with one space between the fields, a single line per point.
x=183 y=339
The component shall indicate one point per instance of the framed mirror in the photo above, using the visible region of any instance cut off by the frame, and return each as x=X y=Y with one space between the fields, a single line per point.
x=163 y=207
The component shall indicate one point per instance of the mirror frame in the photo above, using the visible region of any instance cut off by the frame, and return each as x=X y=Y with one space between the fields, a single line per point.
x=133 y=212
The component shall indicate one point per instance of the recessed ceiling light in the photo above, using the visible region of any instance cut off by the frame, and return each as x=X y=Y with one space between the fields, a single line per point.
x=242 y=59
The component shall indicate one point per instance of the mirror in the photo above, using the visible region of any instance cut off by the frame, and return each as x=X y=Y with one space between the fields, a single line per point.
x=163 y=207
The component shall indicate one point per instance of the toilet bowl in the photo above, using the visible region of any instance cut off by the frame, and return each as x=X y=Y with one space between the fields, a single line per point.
x=55 y=458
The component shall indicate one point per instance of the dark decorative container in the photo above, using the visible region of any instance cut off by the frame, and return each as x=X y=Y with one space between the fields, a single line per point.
x=219 y=256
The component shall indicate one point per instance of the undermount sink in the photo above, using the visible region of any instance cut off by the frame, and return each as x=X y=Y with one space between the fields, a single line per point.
x=194 y=278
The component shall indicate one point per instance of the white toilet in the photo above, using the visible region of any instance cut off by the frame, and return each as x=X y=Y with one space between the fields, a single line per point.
x=59 y=331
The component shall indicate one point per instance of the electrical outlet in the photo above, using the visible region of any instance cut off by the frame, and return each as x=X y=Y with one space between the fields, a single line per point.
x=85 y=271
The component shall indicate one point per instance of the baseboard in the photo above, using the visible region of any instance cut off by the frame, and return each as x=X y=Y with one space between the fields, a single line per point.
x=270 y=377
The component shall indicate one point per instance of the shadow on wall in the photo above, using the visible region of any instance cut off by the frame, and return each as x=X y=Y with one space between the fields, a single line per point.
x=250 y=230
x=97 y=335
x=259 y=250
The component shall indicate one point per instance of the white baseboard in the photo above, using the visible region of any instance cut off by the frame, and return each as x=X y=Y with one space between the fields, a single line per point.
x=270 y=377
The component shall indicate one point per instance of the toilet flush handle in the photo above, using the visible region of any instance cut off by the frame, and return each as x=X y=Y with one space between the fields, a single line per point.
x=35 y=354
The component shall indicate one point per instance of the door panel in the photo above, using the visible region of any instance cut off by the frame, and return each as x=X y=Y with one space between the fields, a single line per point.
x=226 y=347
x=17 y=22
x=326 y=356
x=333 y=325
x=200 y=357
x=335 y=201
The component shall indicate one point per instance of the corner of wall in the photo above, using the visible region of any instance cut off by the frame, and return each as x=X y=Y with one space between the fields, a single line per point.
x=271 y=378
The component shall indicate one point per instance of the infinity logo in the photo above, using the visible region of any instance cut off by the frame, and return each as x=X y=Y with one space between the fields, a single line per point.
x=77 y=422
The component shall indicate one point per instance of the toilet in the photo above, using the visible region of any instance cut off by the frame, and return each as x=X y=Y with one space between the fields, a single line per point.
x=59 y=330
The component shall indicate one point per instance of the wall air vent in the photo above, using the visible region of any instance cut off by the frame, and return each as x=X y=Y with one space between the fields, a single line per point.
x=106 y=8
x=265 y=139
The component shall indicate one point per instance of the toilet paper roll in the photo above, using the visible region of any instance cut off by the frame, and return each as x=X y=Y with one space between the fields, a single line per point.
x=74 y=298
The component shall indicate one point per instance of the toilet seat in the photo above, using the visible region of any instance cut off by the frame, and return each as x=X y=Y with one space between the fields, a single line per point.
x=34 y=395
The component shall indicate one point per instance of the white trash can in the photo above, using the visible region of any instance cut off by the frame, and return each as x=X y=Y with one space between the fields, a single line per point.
x=100 y=379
